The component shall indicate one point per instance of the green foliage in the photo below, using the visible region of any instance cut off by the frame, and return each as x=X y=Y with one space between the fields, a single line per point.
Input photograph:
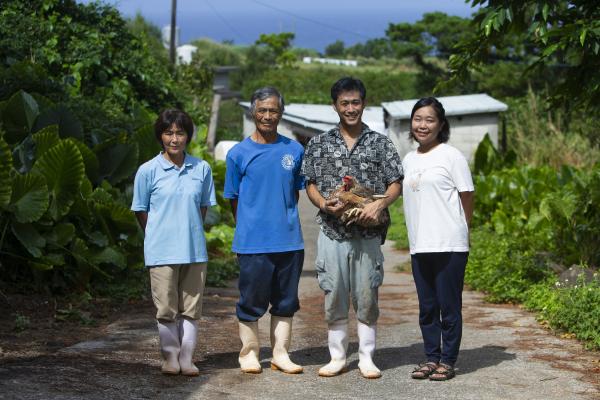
x=528 y=219
x=313 y=85
x=87 y=46
x=213 y=54
x=503 y=266
x=398 y=232
x=76 y=84
x=435 y=33
x=372 y=49
x=22 y=322
x=572 y=308
x=279 y=44
x=556 y=33
x=335 y=49
x=558 y=208
x=230 y=125
x=488 y=159
x=54 y=222
x=220 y=271
x=549 y=136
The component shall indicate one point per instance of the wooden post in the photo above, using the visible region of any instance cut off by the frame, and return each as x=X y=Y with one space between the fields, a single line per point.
x=211 y=136
x=503 y=140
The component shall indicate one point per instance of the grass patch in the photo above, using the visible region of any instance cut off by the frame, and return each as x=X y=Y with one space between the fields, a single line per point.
x=397 y=231
x=507 y=269
x=406 y=266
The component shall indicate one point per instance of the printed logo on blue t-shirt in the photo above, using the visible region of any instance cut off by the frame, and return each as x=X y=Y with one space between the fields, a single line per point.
x=287 y=161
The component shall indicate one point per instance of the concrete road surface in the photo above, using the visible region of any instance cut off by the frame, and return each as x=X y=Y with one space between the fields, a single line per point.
x=505 y=354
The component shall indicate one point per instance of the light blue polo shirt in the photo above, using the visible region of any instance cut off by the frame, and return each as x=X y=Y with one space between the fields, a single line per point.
x=172 y=197
x=264 y=179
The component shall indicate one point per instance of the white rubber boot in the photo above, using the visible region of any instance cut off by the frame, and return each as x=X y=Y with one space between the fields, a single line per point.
x=281 y=337
x=337 y=338
x=366 y=348
x=188 y=332
x=168 y=334
x=249 y=354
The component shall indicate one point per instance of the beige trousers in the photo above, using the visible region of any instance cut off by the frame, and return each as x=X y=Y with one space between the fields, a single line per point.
x=177 y=290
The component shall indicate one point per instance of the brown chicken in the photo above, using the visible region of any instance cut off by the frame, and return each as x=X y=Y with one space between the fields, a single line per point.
x=354 y=197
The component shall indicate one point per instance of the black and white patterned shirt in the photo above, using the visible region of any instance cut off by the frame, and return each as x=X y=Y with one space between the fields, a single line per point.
x=373 y=161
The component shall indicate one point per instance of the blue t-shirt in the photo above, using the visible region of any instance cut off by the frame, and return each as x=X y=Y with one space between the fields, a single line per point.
x=172 y=197
x=264 y=179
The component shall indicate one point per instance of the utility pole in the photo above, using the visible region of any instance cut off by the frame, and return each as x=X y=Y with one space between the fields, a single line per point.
x=172 y=48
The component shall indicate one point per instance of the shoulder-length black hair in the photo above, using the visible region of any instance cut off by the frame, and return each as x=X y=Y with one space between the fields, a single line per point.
x=444 y=134
x=173 y=116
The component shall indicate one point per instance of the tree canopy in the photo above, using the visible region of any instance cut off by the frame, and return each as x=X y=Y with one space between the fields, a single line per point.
x=563 y=35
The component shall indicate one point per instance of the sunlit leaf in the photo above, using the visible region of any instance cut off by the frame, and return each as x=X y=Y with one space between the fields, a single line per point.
x=64 y=170
x=29 y=200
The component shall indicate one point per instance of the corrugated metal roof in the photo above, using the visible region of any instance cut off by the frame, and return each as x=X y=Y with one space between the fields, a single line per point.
x=454 y=105
x=322 y=117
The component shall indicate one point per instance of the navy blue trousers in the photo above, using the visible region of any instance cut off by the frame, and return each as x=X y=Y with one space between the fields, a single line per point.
x=439 y=279
x=269 y=278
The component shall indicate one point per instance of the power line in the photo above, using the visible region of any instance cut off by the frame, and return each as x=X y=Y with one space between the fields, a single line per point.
x=231 y=28
x=335 y=28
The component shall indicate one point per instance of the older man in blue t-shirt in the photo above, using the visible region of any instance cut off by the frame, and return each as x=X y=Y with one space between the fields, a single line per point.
x=262 y=182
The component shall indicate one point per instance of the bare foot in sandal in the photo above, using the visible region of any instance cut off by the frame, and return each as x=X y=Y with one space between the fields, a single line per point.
x=442 y=373
x=424 y=370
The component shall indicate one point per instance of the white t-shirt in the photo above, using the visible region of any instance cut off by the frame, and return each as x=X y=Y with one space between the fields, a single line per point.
x=434 y=215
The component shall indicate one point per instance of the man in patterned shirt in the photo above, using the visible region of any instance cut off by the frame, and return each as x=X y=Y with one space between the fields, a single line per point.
x=349 y=259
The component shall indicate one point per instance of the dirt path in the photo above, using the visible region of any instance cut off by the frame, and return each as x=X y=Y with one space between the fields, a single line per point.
x=505 y=354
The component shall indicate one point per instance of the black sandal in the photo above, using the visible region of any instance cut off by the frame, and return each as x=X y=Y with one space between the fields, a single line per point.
x=424 y=370
x=444 y=371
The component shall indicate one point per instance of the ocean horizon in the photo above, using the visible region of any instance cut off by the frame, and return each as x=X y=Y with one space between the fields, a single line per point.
x=315 y=23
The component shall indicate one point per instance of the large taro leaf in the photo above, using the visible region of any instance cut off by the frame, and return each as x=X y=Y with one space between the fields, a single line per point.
x=18 y=116
x=64 y=170
x=118 y=162
x=5 y=167
x=23 y=155
x=80 y=207
x=92 y=166
x=60 y=115
x=108 y=255
x=118 y=216
x=29 y=238
x=61 y=235
x=146 y=141
x=29 y=200
x=45 y=139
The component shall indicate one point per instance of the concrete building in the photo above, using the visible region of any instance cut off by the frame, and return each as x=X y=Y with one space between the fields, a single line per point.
x=470 y=118
x=303 y=121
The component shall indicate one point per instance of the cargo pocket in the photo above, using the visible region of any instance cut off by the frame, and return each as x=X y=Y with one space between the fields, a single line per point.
x=377 y=274
x=323 y=277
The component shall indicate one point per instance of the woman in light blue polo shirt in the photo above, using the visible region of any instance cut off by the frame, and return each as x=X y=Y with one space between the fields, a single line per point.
x=171 y=194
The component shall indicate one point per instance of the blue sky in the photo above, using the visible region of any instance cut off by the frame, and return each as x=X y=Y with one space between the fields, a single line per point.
x=316 y=23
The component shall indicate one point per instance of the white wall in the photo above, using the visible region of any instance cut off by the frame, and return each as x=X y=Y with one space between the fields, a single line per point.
x=283 y=128
x=466 y=133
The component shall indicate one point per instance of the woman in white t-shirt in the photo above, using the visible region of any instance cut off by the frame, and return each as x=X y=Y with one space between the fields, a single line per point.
x=438 y=205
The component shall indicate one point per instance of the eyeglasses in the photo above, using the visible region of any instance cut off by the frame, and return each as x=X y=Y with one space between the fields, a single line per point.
x=263 y=111
x=176 y=133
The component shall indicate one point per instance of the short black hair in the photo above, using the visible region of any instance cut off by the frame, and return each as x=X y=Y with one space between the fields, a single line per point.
x=444 y=133
x=348 y=84
x=173 y=116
